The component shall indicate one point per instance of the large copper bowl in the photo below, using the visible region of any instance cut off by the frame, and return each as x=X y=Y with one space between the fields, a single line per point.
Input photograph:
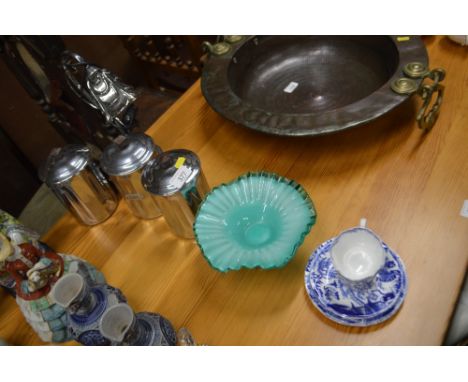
x=308 y=85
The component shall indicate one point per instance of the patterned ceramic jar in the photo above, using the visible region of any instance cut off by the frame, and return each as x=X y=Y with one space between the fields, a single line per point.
x=85 y=305
x=121 y=326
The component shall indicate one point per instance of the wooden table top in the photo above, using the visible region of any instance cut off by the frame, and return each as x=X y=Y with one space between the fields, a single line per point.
x=409 y=186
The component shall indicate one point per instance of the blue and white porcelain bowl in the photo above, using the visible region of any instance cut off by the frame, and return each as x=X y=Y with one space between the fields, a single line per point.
x=355 y=304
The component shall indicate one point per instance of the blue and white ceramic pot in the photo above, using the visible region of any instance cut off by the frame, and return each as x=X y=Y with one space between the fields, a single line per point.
x=85 y=305
x=121 y=326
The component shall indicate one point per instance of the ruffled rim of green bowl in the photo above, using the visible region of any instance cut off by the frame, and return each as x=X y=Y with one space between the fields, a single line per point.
x=282 y=179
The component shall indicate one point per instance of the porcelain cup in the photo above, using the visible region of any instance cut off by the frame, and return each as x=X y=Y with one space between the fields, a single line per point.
x=116 y=322
x=67 y=289
x=358 y=254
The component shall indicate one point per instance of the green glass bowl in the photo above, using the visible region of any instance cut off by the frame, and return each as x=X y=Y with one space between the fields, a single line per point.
x=257 y=220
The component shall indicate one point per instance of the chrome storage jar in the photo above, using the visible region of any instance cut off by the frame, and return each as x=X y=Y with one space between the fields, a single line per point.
x=77 y=181
x=123 y=161
x=176 y=181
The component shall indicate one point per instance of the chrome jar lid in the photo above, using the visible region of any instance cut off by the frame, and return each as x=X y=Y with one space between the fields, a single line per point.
x=171 y=172
x=128 y=155
x=64 y=163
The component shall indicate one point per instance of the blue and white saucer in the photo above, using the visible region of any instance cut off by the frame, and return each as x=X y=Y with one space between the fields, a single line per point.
x=350 y=305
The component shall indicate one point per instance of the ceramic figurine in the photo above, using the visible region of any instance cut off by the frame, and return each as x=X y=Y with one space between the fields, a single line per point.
x=85 y=305
x=6 y=281
x=121 y=326
x=29 y=269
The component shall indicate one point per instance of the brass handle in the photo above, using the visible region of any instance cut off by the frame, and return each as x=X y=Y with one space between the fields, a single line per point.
x=217 y=49
x=427 y=115
x=221 y=47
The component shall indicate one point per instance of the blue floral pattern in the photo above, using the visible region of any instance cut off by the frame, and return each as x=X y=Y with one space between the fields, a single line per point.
x=359 y=304
x=93 y=338
x=84 y=326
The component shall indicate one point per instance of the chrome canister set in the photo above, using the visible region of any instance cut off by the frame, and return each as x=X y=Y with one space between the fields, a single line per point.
x=152 y=182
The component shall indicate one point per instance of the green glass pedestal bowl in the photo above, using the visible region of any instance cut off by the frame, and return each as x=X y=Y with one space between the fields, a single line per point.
x=257 y=220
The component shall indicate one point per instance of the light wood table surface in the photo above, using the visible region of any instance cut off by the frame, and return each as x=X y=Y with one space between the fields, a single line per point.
x=409 y=186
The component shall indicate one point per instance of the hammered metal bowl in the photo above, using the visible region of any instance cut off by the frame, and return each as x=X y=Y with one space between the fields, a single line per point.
x=308 y=85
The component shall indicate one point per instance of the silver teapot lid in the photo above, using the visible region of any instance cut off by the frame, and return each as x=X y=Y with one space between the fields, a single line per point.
x=171 y=172
x=128 y=154
x=64 y=163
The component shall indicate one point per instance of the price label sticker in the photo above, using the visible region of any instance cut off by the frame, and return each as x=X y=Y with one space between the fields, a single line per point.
x=291 y=87
x=180 y=161
x=180 y=176
x=464 y=209
x=403 y=38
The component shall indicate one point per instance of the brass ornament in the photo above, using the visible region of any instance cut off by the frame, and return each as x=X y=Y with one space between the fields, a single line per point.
x=232 y=39
x=404 y=86
x=217 y=49
x=427 y=115
x=415 y=70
